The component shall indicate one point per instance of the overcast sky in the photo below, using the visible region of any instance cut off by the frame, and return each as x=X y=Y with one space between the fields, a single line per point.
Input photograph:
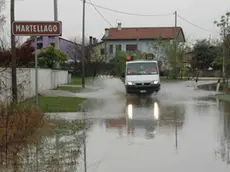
x=199 y=12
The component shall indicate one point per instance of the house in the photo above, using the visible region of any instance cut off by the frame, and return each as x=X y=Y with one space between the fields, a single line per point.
x=97 y=53
x=130 y=39
x=72 y=49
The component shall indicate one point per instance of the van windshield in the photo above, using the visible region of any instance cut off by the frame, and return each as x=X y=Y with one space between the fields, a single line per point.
x=142 y=69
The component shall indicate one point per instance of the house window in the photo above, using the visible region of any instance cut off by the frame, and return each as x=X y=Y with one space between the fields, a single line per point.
x=110 y=49
x=39 y=46
x=118 y=48
x=132 y=47
x=102 y=51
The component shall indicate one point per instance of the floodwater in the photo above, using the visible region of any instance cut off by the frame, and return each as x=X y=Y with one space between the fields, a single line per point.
x=180 y=129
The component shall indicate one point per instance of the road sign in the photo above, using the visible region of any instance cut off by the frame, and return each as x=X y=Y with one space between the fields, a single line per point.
x=37 y=28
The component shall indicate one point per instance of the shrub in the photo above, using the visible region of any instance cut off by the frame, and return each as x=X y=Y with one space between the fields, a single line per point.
x=16 y=126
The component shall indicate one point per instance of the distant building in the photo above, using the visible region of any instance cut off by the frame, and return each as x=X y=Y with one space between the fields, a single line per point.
x=97 y=48
x=131 y=39
x=72 y=49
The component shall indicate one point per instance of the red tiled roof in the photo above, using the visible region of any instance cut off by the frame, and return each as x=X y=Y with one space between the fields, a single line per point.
x=143 y=33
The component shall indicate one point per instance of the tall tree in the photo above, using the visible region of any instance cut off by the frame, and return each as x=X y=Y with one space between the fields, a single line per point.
x=2 y=22
x=205 y=53
x=224 y=26
x=2 y=17
x=173 y=55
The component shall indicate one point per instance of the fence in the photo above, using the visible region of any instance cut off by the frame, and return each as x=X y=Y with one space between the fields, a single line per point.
x=47 y=79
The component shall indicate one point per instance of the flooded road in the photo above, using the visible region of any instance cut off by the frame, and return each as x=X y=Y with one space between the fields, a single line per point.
x=181 y=129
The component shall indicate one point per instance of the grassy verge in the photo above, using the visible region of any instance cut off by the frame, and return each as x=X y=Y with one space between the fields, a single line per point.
x=164 y=79
x=225 y=97
x=73 y=89
x=55 y=104
x=77 y=80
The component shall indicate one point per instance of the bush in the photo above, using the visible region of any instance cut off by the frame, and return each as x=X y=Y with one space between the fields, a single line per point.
x=16 y=126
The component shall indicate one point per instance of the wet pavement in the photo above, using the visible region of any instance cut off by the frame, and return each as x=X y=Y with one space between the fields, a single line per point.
x=180 y=129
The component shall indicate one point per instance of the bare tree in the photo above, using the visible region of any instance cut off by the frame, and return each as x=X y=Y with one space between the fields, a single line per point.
x=75 y=50
x=2 y=22
x=2 y=17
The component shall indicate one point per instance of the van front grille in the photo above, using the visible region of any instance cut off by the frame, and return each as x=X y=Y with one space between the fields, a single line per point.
x=145 y=83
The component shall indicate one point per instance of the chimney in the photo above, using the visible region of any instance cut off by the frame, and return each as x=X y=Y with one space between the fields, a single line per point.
x=119 y=26
x=90 y=40
x=94 y=40
x=106 y=32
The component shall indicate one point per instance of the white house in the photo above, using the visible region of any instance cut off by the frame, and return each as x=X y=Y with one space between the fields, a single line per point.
x=138 y=39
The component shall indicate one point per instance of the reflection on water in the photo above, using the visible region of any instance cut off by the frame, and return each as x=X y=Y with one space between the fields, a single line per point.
x=225 y=136
x=148 y=114
x=148 y=121
x=53 y=149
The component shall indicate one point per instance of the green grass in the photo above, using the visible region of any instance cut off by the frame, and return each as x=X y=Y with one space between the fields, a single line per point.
x=164 y=79
x=77 y=80
x=73 y=89
x=55 y=104
x=225 y=97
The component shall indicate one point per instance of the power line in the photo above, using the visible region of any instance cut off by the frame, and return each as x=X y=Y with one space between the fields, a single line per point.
x=100 y=13
x=193 y=24
x=132 y=14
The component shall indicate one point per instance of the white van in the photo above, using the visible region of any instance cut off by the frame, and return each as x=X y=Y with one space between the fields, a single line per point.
x=142 y=77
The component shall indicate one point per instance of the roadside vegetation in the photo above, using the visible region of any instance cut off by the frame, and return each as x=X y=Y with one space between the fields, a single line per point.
x=73 y=89
x=225 y=97
x=76 y=80
x=55 y=104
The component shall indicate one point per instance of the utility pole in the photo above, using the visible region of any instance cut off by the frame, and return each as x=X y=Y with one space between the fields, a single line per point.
x=223 y=66
x=36 y=70
x=56 y=19
x=175 y=38
x=83 y=46
x=13 y=55
x=85 y=159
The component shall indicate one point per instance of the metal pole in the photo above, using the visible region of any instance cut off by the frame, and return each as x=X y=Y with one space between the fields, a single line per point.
x=13 y=56
x=176 y=135
x=56 y=19
x=83 y=46
x=36 y=71
x=175 y=35
x=85 y=159
x=223 y=66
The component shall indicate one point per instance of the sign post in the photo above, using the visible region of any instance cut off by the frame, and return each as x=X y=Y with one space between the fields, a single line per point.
x=36 y=69
x=36 y=28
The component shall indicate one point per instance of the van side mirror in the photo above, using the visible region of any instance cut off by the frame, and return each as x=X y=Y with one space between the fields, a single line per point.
x=123 y=74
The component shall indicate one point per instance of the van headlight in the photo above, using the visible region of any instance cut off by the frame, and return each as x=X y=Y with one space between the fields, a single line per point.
x=130 y=83
x=155 y=82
